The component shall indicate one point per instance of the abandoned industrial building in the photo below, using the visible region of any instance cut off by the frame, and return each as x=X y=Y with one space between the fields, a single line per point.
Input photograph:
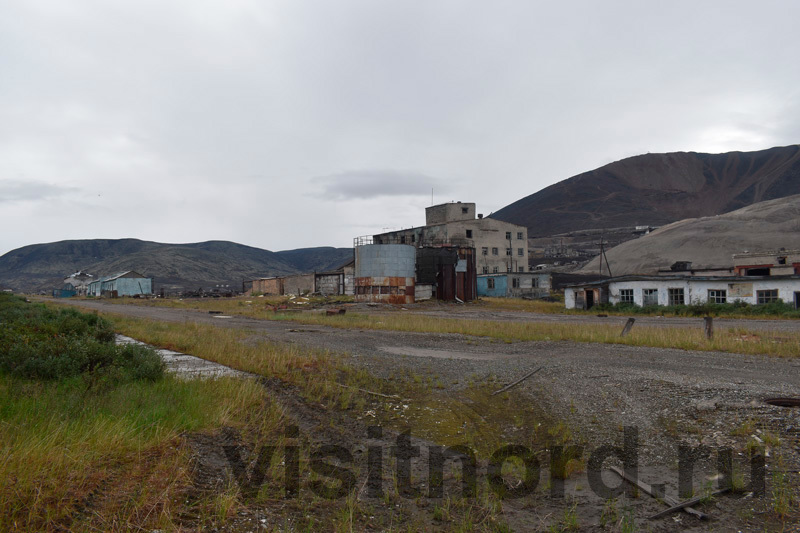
x=499 y=246
x=127 y=283
x=682 y=290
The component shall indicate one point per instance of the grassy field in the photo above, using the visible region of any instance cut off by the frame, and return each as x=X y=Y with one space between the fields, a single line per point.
x=90 y=434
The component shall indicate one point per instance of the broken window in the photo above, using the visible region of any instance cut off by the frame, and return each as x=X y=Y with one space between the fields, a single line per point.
x=485 y=251
x=469 y=234
x=519 y=235
x=414 y=238
x=767 y=296
x=522 y=269
x=495 y=270
x=402 y=239
x=649 y=297
x=485 y=270
x=781 y=260
x=626 y=296
x=520 y=251
x=494 y=251
x=515 y=283
x=717 y=296
x=464 y=210
x=675 y=296
x=490 y=283
x=508 y=235
x=757 y=272
x=508 y=251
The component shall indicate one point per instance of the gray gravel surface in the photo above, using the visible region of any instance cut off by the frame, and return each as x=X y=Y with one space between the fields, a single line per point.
x=674 y=397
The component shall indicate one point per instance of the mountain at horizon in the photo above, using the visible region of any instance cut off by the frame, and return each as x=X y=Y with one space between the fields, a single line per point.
x=658 y=189
x=189 y=266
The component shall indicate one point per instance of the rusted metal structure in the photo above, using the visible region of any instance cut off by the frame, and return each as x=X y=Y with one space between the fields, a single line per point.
x=384 y=272
x=451 y=270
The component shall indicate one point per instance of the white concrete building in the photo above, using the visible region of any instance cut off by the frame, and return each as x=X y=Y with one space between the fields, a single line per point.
x=500 y=247
x=662 y=290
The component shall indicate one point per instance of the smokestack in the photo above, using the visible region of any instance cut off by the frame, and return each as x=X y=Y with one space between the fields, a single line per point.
x=480 y=215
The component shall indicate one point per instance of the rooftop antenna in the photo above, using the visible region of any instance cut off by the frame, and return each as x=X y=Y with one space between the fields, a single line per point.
x=431 y=195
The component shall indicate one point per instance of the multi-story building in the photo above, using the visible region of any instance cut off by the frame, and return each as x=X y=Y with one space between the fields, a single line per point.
x=499 y=246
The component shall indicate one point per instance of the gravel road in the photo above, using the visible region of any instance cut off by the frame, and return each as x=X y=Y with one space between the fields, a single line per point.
x=674 y=397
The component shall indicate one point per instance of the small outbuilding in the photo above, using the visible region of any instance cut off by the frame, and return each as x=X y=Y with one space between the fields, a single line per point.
x=129 y=283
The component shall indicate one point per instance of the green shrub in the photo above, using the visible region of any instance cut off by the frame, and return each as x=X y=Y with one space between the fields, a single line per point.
x=737 y=308
x=37 y=342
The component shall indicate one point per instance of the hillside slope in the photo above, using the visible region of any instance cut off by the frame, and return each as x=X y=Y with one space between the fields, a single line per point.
x=709 y=241
x=194 y=265
x=656 y=189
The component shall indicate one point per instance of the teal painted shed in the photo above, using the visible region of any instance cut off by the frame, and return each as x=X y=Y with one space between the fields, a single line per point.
x=129 y=283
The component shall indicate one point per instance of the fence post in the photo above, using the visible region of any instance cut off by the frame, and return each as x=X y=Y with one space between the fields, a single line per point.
x=628 y=326
x=709 y=325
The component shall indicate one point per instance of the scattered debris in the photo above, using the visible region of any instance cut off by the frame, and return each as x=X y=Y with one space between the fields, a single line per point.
x=647 y=489
x=687 y=503
x=390 y=396
x=335 y=311
x=520 y=380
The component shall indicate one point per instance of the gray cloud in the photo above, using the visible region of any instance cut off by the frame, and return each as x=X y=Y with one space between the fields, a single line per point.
x=368 y=184
x=13 y=191
x=174 y=111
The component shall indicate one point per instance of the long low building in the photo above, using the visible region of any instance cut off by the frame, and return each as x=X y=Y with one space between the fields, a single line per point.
x=681 y=290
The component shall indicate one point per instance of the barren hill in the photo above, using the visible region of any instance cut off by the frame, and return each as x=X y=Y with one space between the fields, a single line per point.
x=204 y=264
x=709 y=241
x=656 y=189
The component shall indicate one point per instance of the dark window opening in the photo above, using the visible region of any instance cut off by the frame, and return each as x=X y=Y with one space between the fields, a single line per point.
x=469 y=234
x=484 y=251
x=515 y=283
x=403 y=239
x=767 y=296
x=508 y=235
x=626 y=296
x=490 y=283
x=464 y=210
x=675 y=296
x=519 y=235
x=494 y=251
x=781 y=260
x=757 y=272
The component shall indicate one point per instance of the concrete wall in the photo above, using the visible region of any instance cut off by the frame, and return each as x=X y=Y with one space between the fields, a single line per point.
x=330 y=283
x=300 y=284
x=443 y=213
x=271 y=286
x=695 y=291
x=423 y=291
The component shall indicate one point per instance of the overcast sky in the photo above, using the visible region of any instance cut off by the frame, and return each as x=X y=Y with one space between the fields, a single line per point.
x=287 y=124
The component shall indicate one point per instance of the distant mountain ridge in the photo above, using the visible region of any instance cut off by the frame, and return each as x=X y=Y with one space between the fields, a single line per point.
x=657 y=189
x=190 y=266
